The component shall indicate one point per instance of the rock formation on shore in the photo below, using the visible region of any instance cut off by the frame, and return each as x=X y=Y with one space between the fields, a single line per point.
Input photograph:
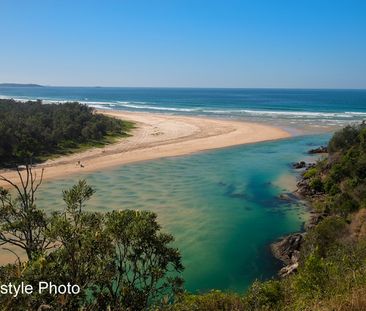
x=287 y=249
x=321 y=149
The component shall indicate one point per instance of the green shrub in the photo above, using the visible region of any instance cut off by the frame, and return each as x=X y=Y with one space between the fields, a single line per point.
x=316 y=184
x=345 y=138
x=312 y=278
x=324 y=236
x=264 y=295
x=311 y=172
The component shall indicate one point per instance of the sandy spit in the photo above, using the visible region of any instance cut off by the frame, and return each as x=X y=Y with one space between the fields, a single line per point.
x=157 y=136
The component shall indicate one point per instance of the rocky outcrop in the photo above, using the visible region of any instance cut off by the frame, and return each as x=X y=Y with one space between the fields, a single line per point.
x=305 y=191
x=298 y=165
x=287 y=249
x=302 y=164
x=321 y=149
x=303 y=188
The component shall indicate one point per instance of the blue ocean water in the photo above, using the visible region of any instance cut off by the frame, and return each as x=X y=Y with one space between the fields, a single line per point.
x=292 y=106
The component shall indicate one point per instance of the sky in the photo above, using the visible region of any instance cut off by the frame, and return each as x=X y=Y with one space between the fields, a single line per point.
x=186 y=43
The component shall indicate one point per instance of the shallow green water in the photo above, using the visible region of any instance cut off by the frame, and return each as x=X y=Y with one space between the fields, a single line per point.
x=222 y=206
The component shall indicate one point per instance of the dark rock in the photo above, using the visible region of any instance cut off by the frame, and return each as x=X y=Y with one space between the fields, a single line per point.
x=321 y=149
x=303 y=188
x=298 y=165
x=287 y=249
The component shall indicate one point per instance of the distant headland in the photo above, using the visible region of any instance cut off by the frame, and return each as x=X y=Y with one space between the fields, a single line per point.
x=20 y=85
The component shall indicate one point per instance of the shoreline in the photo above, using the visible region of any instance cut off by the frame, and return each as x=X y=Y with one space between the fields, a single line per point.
x=287 y=249
x=157 y=136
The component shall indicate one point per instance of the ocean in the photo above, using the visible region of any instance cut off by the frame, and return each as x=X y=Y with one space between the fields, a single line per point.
x=284 y=107
x=224 y=207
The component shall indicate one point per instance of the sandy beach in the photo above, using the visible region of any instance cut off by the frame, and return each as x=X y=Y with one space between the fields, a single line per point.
x=158 y=136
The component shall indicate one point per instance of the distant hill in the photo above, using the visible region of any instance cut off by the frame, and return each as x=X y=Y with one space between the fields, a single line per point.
x=19 y=85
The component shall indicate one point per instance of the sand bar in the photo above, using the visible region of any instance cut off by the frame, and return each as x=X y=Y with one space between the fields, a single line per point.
x=158 y=136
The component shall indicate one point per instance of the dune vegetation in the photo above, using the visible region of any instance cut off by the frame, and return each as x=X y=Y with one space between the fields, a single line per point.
x=32 y=130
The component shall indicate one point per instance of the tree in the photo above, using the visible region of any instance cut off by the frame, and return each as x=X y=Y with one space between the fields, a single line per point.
x=146 y=267
x=121 y=259
x=22 y=224
x=84 y=251
x=31 y=129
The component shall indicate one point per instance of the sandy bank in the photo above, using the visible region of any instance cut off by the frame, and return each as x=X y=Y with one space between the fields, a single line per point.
x=158 y=136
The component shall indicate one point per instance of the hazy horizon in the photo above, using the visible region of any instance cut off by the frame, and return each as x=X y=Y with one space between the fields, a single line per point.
x=178 y=87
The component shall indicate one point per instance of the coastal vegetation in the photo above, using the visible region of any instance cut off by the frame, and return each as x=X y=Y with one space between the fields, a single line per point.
x=120 y=260
x=123 y=261
x=339 y=180
x=32 y=130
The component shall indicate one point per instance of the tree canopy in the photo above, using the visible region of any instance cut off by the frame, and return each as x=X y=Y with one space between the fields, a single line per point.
x=36 y=130
x=340 y=179
x=120 y=260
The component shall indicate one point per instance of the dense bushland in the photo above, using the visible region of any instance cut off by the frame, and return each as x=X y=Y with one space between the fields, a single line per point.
x=340 y=179
x=35 y=130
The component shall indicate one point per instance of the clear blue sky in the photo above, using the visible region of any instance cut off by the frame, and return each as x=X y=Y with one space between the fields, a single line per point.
x=188 y=43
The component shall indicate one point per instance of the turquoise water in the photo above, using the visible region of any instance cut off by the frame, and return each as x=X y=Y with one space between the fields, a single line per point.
x=222 y=206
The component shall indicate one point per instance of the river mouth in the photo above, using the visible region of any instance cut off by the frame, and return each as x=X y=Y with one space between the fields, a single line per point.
x=224 y=207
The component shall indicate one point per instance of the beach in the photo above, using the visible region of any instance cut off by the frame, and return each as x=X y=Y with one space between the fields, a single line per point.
x=157 y=136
